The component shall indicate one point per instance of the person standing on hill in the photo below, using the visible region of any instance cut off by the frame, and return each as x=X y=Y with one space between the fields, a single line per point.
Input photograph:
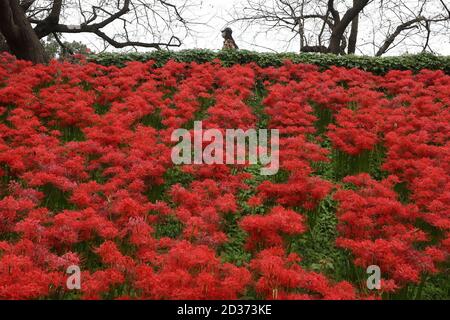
x=228 y=43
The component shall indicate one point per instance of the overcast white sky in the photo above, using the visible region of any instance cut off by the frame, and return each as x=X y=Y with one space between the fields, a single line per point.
x=216 y=13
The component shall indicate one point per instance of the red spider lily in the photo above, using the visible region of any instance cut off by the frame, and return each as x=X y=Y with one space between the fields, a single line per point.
x=86 y=178
x=281 y=277
x=267 y=230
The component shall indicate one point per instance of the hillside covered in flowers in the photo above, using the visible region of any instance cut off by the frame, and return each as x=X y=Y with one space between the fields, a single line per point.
x=86 y=179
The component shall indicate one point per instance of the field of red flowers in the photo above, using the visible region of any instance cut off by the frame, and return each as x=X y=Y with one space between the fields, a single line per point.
x=86 y=179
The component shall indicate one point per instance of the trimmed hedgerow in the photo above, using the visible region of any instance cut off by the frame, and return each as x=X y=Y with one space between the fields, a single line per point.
x=377 y=65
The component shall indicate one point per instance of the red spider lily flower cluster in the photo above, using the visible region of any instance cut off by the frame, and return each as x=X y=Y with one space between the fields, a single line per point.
x=267 y=230
x=86 y=179
x=379 y=230
x=281 y=277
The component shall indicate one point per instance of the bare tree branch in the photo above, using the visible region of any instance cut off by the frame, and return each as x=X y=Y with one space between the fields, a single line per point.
x=402 y=27
x=145 y=14
x=372 y=22
x=25 y=5
x=62 y=45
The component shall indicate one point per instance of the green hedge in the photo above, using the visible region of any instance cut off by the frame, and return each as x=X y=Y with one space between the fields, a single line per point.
x=377 y=65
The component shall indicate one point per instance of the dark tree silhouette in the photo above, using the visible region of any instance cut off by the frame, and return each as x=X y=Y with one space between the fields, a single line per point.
x=334 y=26
x=24 y=23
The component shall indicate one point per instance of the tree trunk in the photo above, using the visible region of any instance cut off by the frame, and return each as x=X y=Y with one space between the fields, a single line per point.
x=19 y=34
x=353 y=34
x=3 y=44
x=301 y=34
x=339 y=29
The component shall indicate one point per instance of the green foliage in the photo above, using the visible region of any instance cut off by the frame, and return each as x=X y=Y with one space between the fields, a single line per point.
x=233 y=251
x=169 y=227
x=377 y=65
x=102 y=109
x=431 y=287
x=71 y=133
x=55 y=199
x=54 y=50
x=403 y=192
x=435 y=287
x=317 y=246
x=153 y=120
x=324 y=117
x=172 y=176
x=368 y=161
